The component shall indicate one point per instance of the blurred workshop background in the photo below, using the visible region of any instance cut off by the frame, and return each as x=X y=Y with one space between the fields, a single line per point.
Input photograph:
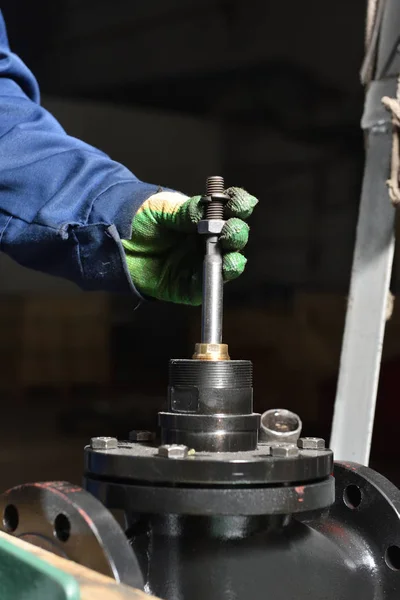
x=266 y=94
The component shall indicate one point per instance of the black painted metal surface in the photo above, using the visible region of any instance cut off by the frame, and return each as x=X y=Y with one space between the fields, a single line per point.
x=210 y=406
x=216 y=501
x=364 y=525
x=68 y=521
x=348 y=550
x=140 y=463
x=246 y=558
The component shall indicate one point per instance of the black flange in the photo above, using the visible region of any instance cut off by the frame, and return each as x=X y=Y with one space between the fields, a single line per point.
x=349 y=550
x=212 y=501
x=140 y=463
x=66 y=520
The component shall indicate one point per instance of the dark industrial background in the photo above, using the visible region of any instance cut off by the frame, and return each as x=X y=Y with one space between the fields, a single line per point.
x=266 y=94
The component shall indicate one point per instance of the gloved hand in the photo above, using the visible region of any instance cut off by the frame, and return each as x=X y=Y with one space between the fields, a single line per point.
x=165 y=253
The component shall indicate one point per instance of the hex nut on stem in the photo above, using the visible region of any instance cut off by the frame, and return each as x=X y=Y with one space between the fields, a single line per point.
x=284 y=450
x=173 y=451
x=104 y=443
x=210 y=226
x=311 y=443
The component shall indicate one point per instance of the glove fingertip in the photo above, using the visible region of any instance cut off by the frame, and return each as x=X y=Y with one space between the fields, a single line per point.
x=235 y=234
x=188 y=214
x=233 y=265
x=195 y=209
x=241 y=203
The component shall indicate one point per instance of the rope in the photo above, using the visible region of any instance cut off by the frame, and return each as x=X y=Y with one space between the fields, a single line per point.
x=393 y=105
x=373 y=22
x=372 y=11
x=374 y=17
x=390 y=306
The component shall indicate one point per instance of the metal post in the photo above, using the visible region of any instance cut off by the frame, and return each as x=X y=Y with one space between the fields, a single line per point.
x=369 y=289
x=354 y=413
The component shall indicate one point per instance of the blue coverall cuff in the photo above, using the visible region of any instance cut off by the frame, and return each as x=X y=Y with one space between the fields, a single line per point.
x=101 y=252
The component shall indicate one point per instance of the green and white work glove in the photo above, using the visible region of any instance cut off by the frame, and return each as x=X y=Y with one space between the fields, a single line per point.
x=165 y=253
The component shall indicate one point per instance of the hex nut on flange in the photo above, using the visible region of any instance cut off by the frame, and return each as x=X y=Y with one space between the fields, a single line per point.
x=104 y=443
x=311 y=443
x=141 y=436
x=207 y=226
x=284 y=450
x=173 y=451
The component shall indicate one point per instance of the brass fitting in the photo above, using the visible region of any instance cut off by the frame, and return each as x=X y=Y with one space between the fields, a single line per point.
x=211 y=352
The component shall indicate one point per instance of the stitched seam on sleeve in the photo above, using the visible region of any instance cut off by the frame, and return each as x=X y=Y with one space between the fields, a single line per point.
x=4 y=228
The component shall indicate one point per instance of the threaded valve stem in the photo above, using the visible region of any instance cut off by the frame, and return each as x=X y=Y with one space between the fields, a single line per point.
x=215 y=208
x=215 y=185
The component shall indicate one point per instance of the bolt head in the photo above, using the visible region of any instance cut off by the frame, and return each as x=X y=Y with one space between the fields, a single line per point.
x=141 y=436
x=210 y=226
x=311 y=443
x=104 y=443
x=284 y=450
x=173 y=451
x=265 y=447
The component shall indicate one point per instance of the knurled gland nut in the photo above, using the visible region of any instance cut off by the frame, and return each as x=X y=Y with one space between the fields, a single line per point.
x=210 y=226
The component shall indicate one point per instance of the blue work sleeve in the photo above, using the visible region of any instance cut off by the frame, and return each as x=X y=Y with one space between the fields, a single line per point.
x=64 y=205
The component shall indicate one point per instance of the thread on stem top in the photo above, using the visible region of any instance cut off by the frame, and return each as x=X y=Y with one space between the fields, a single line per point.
x=215 y=208
x=215 y=185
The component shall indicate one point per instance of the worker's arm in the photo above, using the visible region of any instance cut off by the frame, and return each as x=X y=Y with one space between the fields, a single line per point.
x=64 y=205
x=67 y=209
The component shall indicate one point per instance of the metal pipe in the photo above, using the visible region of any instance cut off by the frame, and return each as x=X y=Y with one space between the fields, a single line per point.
x=280 y=425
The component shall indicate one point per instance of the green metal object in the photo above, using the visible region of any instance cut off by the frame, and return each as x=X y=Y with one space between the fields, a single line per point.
x=24 y=576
